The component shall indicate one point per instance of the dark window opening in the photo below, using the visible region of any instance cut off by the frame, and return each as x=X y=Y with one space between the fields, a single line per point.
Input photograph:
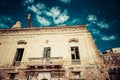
x=75 y=55
x=18 y=57
x=29 y=77
x=76 y=75
x=46 y=53
x=12 y=76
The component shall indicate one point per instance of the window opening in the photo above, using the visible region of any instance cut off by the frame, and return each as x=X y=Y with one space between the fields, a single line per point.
x=18 y=57
x=75 y=55
x=12 y=76
x=76 y=75
x=46 y=53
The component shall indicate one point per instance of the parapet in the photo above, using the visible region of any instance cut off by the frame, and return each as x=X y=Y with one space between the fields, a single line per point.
x=56 y=29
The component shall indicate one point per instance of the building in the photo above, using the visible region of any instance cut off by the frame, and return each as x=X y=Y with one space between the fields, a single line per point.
x=111 y=59
x=49 y=53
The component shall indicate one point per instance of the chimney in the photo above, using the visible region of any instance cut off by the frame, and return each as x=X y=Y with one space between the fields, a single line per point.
x=29 y=21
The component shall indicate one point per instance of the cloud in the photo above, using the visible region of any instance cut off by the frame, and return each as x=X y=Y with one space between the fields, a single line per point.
x=57 y=15
x=108 y=38
x=34 y=9
x=103 y=24
x=54 y=12
x=103 y=37
x=93 y=19
x=5 y=21
x=28 y=2
x=75 y=21
x=42 y=20
x=53 y=15
x=40 y=6
x=3 y=25
x=96 y=32
x=37 y=8
x=65 y=1
x=61 y=18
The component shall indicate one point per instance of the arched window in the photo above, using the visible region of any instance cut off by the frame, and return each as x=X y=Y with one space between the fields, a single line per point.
x=74 y=48
x=21 y=42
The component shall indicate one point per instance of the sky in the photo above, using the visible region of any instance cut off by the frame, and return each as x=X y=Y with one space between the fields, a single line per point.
x=101 y=17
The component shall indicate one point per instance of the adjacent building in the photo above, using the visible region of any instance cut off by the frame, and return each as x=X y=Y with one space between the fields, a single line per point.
x=111 y=59
x=49 y=53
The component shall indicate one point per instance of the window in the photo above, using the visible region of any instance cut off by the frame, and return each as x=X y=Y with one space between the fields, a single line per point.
x=57 y=74
x=12 y=76
x=18 y=56
x=76 y=75
x=75 y=55
x=46 y=53
x=29 y=77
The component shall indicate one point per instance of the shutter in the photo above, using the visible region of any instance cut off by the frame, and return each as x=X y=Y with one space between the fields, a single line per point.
x=44 y=53
x=48 y=52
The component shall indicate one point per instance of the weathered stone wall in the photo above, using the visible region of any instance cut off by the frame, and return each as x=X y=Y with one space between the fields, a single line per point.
x=60 y=39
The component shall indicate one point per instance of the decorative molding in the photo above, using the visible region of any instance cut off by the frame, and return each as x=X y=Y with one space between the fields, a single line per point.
x=43 y=30
x=73 y=40
x=21 y=42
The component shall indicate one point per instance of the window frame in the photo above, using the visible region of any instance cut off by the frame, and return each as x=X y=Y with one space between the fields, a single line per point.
x=75 y=55
x=18 y=56
x=47 y=52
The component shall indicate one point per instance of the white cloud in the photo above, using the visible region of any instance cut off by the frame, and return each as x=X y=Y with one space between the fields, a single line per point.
x=103 y=24
x=65 y=1
x=43 y=21
x=4 y=20
x=93 y=19
x=54 y=12
x=3 y=25
x=76 y=21
x=61 y=18
x=96 y=32
x=57 y=15
x=40 y=6
x=34 y=9
x=28 y=2
x=108 y=38
x=37 y=8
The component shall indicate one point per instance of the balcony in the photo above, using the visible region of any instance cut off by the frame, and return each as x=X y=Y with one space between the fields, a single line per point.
x=52 y=61
x=16 y=63
x=75 y=62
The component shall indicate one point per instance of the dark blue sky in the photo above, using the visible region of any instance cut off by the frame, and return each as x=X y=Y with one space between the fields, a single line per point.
x=102 y=17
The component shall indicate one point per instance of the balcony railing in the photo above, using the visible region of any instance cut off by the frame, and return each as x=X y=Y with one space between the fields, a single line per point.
x=45 y=61
x=16 y=63
x=75 y=62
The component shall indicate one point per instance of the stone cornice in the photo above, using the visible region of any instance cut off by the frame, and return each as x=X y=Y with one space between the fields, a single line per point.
x=78 y=28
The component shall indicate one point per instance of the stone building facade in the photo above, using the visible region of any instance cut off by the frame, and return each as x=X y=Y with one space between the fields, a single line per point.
x=111 y=59
x=50 y=53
